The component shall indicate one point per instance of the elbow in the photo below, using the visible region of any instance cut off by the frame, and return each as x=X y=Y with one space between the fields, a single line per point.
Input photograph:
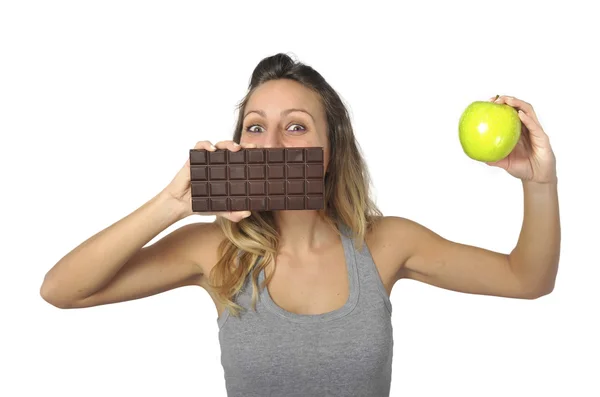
x=48 y=294
x=538 y=290
x=536 y=294
x=534 y=284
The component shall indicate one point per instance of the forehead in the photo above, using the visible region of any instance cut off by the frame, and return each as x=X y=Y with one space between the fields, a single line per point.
x=275 y=95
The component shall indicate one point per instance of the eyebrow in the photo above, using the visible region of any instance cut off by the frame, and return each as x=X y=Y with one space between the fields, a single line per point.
x=283 y=112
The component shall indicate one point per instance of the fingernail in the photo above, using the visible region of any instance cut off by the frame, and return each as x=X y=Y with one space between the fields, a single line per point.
x=236 y=144
x=212 y=147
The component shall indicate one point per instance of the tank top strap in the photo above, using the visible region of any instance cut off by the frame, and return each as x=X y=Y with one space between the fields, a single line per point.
x=371 y=285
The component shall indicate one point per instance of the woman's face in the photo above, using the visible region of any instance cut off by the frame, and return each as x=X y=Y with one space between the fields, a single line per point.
x=284 y=113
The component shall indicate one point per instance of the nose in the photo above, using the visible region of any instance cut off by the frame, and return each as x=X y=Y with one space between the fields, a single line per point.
x=272 y=140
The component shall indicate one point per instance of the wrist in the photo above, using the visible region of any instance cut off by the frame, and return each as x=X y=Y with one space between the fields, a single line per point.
x=545 y=173
x=540 y=187
x=173 y=209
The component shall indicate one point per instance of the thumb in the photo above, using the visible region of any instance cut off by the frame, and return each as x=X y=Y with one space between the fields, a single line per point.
x=500 y=163
x=236 y=216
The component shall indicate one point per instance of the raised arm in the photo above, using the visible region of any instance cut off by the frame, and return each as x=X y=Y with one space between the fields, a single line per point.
x=529 y=270
x=114 y=265
x=111 y=266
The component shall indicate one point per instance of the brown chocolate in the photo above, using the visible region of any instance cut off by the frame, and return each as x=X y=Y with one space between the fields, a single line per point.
x=257 y=179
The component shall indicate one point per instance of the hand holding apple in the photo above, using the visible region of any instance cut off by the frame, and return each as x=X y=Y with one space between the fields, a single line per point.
x=526 y=155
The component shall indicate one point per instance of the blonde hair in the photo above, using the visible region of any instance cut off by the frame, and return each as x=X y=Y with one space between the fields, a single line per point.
x=251 y=244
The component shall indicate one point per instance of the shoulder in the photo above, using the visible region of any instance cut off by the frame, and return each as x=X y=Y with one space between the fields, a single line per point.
x=381 y=226
x=394 y=233
x=394 y=240
x=199 y=242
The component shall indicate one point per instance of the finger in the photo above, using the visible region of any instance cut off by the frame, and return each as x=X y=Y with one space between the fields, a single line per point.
x=205 y=145
x=522 y=105
x=503 y=163
x=518 y=105
x=236 y=216
x=536 y=133
x=229 y=145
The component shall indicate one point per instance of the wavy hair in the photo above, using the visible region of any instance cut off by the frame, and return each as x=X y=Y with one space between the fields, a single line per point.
x=253 y=242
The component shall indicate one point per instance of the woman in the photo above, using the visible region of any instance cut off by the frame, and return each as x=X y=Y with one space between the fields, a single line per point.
x=323 y=326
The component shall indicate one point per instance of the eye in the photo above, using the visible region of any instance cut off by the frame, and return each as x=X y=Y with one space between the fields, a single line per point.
x=249 y=129
x=295 y=130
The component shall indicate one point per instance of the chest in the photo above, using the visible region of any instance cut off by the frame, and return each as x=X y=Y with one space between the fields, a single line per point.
x=311 y=284
x=351 y=355
x=316 y=284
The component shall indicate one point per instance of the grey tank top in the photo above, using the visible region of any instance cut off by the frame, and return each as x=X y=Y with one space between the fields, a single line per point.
x=345 y=352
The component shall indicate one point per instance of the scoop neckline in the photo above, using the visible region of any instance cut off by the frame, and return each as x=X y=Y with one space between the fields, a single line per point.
x=351 y=302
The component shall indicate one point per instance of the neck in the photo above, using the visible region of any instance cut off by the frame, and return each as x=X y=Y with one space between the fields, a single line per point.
x=302 y=230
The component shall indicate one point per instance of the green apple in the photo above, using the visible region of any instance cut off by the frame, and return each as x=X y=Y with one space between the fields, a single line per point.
x=489 y=131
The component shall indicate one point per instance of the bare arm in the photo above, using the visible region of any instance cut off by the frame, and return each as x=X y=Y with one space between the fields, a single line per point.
x=94 y=264
x=410 y=250
x=112 y=266
x=528 y=272
x=535 y=258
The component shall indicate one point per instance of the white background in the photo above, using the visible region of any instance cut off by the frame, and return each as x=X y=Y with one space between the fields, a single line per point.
x=100 y=102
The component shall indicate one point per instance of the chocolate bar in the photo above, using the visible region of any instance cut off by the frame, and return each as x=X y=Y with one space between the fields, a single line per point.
x=257 y=179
